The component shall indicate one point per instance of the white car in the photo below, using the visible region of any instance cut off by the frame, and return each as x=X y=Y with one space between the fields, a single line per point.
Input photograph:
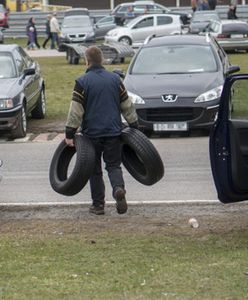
x=137 y=30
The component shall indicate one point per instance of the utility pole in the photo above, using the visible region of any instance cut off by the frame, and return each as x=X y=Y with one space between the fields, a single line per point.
x=112 y=4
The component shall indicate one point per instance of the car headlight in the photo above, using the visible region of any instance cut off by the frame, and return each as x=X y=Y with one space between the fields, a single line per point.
x=6 y=103
x=210 y=95
x=90 y=34
x=136 y=99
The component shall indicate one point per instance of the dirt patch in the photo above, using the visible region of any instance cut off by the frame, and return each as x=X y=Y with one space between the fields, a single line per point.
x=166 y=219
x=39 y=126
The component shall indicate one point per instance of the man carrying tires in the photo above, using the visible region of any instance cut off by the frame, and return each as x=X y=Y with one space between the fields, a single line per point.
x=98 y=100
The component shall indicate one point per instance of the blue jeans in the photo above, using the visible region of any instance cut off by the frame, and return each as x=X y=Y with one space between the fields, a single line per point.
x=110 y=149
x=55 y=39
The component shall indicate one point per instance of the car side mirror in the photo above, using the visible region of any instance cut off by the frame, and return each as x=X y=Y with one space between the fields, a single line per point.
x=233 y=69
x=120 y=73
x=28 y=72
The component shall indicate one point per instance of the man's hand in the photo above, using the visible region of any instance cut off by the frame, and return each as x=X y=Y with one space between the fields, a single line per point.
x=69 y=142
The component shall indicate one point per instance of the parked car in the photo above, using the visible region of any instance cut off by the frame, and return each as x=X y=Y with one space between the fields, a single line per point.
x=1 y=36
x=76 y=29
x=4 y=16
x=229 y=146
x=103 y=26
x=231 y=34
x=130 y=10
x=136 y=31
x=77 y=11
x=201 y=19
x=22 y=90
x=176 y=82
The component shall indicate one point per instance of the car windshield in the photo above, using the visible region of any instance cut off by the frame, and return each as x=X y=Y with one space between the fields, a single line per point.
x=77 y=22
x=7 y=67
x=204 y=17
x=175 y=59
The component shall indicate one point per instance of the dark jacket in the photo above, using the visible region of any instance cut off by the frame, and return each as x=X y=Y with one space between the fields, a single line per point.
x=99 y=98
x=48 y=29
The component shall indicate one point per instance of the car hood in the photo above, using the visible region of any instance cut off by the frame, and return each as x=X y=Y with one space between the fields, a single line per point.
x=184 y=85
x=76 y=30
x=199 y=25
x=8 y=87
x=119 y=30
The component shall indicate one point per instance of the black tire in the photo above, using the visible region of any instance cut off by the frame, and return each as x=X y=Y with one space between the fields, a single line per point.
x=75 y=60
x=83 y=168
x=40 y=110
x=21 y=130
x=125 y=40
x=140 y=157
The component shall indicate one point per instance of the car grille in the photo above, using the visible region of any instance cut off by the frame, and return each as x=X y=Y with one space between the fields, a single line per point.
x=169 y=114
x=73 y=36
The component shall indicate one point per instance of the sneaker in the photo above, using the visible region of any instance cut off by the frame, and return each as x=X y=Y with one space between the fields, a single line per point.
x=121 y=203
x=97 y=210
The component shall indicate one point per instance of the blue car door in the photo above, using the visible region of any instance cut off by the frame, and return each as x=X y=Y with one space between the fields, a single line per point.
x=229 y=141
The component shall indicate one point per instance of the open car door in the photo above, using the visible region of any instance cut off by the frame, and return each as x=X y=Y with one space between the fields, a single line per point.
x=229 y=141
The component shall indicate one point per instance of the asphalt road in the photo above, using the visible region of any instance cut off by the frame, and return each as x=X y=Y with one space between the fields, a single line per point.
x=187 y=174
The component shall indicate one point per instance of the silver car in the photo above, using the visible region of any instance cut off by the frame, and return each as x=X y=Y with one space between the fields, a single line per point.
x=137 y=30
x=77 y=29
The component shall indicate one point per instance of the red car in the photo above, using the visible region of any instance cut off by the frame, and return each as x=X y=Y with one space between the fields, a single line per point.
x=3 y=17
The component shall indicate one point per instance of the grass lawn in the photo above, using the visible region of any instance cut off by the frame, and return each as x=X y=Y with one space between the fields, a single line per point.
x=61 y=260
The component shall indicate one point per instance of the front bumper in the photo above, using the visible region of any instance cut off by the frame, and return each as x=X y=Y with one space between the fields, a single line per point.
x=9 y=118
x=176 y=118
x=109 y=39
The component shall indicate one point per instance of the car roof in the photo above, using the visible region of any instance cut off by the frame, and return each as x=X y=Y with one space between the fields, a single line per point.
x=137 y=3
x=155 y=15
x=77 y=17
x=8 y=47
x=204 y=12
x=232 y=22
x=178 y=40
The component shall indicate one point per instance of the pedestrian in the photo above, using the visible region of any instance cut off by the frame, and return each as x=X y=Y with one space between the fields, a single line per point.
x=31 y=39
x=55 y=31
x=48 y=31
x=98 y=100
x=194 y=5
x=231 y=14
x=234 y=3
x=31 y=23
x=212 y=4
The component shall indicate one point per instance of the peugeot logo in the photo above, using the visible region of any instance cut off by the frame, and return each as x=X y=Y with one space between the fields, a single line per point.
x=169 y=98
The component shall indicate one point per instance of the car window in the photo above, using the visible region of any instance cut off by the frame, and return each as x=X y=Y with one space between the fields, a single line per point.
x=123 y=9
x=214 y=27
x=154 y=9
x=7 y=69
x=28 y=60
x=104 y=20
x=140 y=9
x=163 y=20
x=147 y=22
x=20 y=62
x=175 y=59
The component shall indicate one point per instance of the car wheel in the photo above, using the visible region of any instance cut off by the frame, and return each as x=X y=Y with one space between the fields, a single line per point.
x=40 y=110
x=83 y=167
x=21 y=130
x=140 y=157
x=125 y=40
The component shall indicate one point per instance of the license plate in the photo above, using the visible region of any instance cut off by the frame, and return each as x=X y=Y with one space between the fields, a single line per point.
x=179 y=126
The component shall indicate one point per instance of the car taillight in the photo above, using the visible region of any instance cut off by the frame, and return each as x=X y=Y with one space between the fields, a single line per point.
x=223 y=36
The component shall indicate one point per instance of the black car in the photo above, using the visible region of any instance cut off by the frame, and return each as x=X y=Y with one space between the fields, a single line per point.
x=176 y=82
x=129 y=10
x=22 y=90
x=229 y=142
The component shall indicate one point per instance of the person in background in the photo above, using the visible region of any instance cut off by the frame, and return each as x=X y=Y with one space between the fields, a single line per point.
x=234 y=3
x=231 y=14
x=31 y=39
x=212 y=4
x=31 y=23
x=48 y=31
x=55 y=31
x=194 y=5
x=98 y=100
